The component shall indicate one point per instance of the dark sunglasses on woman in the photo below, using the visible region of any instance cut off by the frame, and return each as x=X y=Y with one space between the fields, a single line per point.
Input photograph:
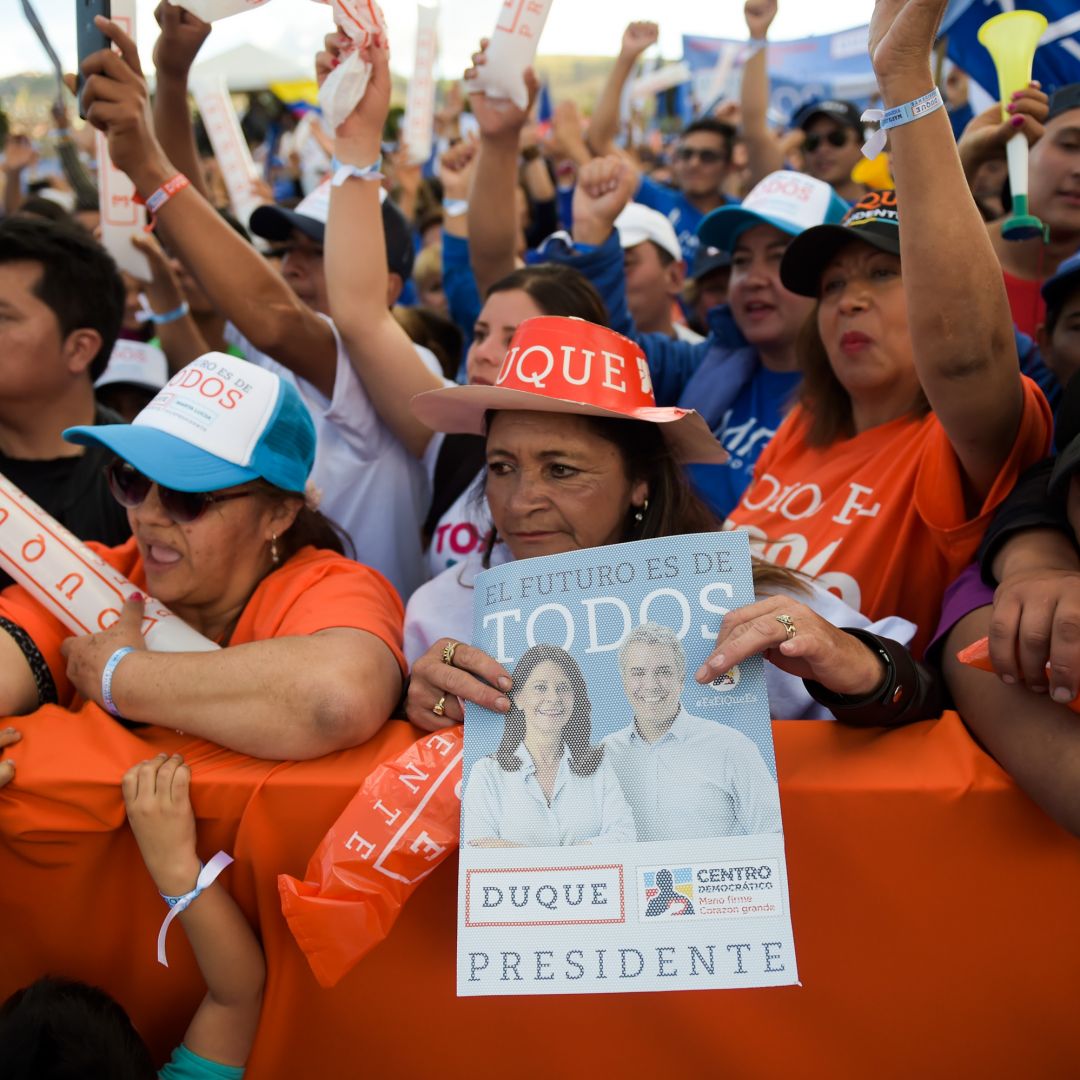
x=837 y=137
x=130 y=488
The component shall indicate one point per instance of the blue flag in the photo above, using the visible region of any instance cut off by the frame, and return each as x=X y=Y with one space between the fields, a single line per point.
x=1057 y=60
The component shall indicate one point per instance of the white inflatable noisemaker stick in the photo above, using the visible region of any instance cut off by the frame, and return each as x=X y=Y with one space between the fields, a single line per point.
x=76 y=585
x=228 y=143
x=212 y=10
x=512 y=49
x=343 y=88
x=121 y=217
x=419 y=124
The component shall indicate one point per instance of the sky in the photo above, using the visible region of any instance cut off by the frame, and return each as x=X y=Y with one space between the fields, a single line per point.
x=295 y=27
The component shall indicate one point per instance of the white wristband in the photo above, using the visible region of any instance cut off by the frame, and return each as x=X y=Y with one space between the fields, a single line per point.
x=897 y=116
x=207 y=876
x=455 y=207
x=357 y=172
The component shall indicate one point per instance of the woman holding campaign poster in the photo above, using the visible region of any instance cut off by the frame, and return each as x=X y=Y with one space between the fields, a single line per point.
x=547 y=785
x=578 y=456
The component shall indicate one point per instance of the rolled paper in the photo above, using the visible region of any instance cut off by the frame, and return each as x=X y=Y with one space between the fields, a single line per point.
x=343 y=88
x=229 y=145
x=212 y=10
x=419 y=124
x=74 y=583
x=977 y=655
x=121 y=217
x=403 y=822
x=512 y=49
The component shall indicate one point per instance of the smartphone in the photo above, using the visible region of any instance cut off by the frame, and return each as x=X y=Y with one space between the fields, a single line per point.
x=90 y=38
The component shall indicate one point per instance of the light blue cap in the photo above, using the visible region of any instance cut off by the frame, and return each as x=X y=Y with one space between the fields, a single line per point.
x=217 y=423
x=789 y=201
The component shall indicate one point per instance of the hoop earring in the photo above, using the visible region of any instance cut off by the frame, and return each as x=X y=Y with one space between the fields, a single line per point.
x=275 y=555
x=639 y=517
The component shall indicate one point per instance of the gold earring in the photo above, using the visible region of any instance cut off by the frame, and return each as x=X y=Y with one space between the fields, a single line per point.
x=275 y=555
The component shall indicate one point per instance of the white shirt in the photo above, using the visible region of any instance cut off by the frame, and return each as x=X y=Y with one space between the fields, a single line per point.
x=371 y=485
x=512 y=805
x=444 y=608
x=700 y=778
x=465 y=526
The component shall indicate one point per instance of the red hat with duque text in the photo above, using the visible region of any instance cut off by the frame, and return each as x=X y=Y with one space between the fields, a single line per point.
x=563 y=365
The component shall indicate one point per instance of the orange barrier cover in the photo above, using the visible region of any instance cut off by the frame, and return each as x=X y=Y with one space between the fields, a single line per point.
x=934 y=909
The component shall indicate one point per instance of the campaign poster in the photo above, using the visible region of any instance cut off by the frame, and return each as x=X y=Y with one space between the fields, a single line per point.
x=621 y=825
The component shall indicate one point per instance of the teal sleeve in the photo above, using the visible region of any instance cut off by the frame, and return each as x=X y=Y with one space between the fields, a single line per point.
x=186 y=1065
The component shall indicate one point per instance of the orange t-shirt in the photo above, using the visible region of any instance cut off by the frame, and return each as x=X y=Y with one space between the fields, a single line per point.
x=315 y=590
x=879 y=518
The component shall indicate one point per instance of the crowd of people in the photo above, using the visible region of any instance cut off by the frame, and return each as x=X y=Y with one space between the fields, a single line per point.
x=861 y=372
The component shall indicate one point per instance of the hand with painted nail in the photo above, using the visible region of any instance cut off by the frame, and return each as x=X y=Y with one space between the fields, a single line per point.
x=87 y=655
x=474 y=676
x=797 y=640
x=8 y=737
x=985 y=136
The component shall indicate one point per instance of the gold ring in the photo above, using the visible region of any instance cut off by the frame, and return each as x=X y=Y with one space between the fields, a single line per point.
x=448 y=652
x=788 y=624
x=440 y=706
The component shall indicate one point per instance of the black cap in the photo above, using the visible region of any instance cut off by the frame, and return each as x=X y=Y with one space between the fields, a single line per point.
x=1068 y=97
x=843 y=112
x=708 y=259
x=874 y=219
x=277 y=223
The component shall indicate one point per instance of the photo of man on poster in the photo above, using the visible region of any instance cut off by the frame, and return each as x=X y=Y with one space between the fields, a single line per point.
x=684 y=777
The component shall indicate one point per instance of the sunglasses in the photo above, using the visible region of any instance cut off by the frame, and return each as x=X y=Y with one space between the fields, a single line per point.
x=130 y=488
x=837 y=137
x=706 y=157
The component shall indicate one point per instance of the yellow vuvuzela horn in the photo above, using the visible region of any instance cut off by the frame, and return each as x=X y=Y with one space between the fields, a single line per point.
x=1011 y=39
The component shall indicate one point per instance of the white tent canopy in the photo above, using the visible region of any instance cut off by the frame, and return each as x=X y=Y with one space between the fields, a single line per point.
x=249 y=68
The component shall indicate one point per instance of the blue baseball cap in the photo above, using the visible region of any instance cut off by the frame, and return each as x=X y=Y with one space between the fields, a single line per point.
x=1064 y=280
x=789 y=201
x=217 y=423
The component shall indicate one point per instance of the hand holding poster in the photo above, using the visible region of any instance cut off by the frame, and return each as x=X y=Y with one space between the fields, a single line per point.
x=512 y=48
x=419 y=123
x=621 y=824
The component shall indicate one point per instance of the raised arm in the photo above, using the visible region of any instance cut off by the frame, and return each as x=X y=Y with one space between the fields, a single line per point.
x=242 y=285
x=156 y=794
x=603 y=128
x=379 y=350
x=958 y=312
x=493 y=223
x=762 y=147
x=181 y=37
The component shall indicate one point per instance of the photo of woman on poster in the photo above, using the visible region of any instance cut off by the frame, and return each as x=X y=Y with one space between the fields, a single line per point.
x=547 y=785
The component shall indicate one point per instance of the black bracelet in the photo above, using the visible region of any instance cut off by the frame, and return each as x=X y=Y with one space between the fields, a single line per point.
x=909 y=692
x=43 y=680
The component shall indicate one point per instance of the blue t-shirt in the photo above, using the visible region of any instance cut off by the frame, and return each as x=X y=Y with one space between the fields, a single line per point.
x=678 y=209
x=744 y=430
